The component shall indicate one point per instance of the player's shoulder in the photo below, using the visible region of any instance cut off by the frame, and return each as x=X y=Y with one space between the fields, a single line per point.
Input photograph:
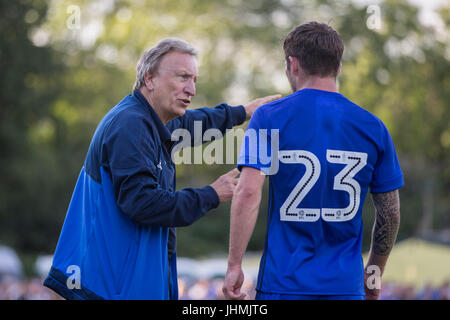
x=360 y=112
x=268 y=108
x=281 y=102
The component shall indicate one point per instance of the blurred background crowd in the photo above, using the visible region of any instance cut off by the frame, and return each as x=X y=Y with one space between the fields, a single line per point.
x=211 y=289
x=411 y=274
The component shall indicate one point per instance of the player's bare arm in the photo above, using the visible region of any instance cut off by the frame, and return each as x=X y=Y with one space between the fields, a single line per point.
x=244 y=212
x=387 y=206
x=384 y=234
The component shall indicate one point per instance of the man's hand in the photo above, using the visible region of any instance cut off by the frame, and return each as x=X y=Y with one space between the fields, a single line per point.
x=233 y=283
x=253 y=105
x=225 y=185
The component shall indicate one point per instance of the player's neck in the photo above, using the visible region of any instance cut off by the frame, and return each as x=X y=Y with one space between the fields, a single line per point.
x=325 y=84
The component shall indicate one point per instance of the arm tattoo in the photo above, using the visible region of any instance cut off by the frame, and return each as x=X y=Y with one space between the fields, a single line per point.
x=387 y=208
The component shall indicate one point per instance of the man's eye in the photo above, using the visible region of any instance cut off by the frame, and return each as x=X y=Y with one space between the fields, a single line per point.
x=184 y=77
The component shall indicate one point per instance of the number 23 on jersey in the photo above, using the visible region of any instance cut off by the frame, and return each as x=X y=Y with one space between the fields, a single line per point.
x=291 y=210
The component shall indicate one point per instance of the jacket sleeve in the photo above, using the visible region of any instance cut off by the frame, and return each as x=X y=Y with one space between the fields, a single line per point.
x=133 y=157
x=221 y=117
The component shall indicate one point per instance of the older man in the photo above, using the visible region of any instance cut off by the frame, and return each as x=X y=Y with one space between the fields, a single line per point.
x=118 y=238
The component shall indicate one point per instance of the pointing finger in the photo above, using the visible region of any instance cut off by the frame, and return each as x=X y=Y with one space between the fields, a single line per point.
x=233 y=173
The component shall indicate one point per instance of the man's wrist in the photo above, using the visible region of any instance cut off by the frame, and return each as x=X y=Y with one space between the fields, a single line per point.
x=239 y=114
x=233 y=264
x=375 y=260
x=212 y=196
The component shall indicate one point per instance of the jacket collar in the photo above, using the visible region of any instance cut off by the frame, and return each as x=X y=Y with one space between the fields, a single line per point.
x=164 y=133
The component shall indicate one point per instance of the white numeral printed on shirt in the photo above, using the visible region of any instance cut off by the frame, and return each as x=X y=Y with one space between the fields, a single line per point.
x=289 y=210
x=343 y=181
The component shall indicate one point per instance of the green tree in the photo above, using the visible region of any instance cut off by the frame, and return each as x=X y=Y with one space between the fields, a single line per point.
x=29 y=188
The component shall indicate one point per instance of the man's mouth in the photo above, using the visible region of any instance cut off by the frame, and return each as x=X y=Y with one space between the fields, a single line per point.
x=186 y=102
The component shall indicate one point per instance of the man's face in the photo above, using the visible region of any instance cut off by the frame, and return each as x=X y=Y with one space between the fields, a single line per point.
x=173 y=84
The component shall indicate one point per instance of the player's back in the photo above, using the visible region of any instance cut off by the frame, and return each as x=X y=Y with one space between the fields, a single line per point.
x=329 y=154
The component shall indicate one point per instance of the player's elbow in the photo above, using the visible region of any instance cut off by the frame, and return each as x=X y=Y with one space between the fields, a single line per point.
x=249 y=187
x=247 y=192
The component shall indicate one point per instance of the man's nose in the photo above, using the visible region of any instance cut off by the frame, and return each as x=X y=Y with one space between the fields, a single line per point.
x=190 y=88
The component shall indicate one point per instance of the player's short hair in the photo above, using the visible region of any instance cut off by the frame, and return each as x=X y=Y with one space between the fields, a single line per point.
x=150 y=59
x=318 y=48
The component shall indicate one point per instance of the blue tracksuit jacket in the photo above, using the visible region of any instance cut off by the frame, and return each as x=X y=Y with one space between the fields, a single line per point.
x=118 y=237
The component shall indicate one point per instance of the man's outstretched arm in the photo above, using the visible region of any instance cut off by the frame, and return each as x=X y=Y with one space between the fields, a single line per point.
x=384 y=234
x=221 y=117
x=244 y=212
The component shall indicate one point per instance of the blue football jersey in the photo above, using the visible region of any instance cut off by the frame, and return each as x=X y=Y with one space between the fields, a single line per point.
x=322 y=153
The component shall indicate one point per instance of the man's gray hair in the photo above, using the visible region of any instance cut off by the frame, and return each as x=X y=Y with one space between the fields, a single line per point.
x=150 y=59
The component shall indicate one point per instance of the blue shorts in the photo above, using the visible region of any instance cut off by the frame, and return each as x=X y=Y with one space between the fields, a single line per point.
x=280 y=296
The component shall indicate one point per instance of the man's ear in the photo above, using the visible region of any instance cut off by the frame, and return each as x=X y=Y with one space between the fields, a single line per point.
x=148 y=79
x=339 y=69
x=294 y=65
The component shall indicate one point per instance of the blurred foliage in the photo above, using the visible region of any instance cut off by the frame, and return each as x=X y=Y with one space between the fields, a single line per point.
x=60 y=75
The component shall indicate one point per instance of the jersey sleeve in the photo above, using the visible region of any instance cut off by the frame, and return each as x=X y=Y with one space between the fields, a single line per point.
x=387 y=175
x=258 y=146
